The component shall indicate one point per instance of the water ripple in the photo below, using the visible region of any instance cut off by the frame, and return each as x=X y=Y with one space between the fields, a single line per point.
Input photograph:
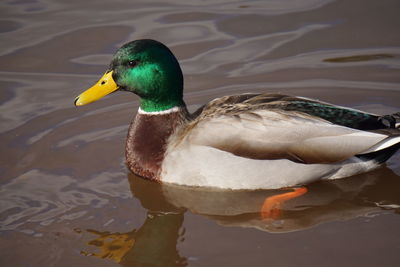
x=41 y=197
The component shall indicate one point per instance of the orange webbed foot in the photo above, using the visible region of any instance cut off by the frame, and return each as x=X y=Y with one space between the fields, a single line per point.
x=271 y=208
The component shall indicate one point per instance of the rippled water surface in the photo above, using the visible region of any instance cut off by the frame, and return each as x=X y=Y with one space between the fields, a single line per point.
x=66 y=197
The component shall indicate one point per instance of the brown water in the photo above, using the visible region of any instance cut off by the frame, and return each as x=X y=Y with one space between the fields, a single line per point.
x=66 y=197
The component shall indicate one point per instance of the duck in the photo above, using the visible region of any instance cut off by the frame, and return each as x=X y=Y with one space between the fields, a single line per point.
x=245 y=141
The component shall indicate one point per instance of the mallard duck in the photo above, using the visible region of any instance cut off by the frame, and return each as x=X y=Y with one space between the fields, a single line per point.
x=246 y=141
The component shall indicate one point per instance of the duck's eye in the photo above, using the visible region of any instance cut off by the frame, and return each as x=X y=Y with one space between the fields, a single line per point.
x=133 y=63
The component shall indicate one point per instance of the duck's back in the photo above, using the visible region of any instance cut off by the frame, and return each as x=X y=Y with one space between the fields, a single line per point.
x=344 y=116
x=261 y=141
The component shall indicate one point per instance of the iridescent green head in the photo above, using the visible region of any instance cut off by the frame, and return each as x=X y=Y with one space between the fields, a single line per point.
x=145 y=67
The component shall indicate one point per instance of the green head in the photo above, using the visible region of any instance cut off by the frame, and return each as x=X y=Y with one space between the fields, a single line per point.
x=147 y=68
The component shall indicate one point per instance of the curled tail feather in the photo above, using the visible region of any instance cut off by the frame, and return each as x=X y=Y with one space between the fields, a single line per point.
x=390 y=121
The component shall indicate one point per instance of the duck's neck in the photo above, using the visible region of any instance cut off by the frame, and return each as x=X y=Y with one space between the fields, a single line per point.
x=148 y=137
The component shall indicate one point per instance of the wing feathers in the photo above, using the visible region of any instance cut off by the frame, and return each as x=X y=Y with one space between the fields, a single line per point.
x=271 y=134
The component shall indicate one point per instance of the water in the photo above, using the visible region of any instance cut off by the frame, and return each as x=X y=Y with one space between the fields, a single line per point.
x=66 y=197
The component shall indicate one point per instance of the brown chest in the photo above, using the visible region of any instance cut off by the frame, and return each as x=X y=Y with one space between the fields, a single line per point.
x=147 y=141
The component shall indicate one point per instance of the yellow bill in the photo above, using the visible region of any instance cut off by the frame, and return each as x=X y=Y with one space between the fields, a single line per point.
x=103 y=87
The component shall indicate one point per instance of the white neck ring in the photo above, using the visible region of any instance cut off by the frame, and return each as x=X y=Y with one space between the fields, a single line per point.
x=162 y=112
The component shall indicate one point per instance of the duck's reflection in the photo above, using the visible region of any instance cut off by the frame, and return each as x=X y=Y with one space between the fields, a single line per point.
x=155 y=242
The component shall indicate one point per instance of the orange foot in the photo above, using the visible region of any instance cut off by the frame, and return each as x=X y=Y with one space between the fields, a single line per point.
x=271 y=208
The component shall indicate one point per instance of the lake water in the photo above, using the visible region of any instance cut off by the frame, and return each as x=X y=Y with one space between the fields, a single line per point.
x=66 y=197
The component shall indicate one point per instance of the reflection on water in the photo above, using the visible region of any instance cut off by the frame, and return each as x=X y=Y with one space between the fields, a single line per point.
x=324 y=202
x=155 y=241
x=358 y=58
x=113 y=245
x=153 y=244
x=64 y=187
